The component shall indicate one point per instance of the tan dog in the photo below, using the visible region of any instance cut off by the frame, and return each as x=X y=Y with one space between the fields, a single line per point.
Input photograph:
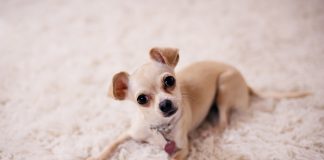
x=171 y=105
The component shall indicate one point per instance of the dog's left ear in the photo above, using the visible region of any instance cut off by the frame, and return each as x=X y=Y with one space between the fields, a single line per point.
x=168 y=56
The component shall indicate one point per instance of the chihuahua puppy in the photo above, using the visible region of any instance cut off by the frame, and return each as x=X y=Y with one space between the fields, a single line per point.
x=171 y=105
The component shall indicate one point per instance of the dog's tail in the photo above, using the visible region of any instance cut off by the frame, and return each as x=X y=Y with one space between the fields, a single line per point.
x=279 y=95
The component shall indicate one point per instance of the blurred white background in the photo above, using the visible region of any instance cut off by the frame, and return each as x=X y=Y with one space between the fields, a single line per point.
x=57 y=58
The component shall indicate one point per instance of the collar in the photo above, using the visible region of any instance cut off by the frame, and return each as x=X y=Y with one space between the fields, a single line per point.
x=165 y=128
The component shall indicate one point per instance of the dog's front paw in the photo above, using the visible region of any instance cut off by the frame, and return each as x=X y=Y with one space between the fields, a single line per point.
x=92 y=158
x=181 y=154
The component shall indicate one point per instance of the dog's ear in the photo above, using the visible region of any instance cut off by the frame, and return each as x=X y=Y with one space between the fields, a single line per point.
x=168 y=56
x=119 y=86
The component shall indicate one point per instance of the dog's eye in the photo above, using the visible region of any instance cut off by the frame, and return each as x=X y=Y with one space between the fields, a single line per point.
x=142 y=99
x=169 y=81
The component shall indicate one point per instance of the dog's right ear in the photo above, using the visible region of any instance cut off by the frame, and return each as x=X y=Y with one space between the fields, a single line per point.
x=168 y=56
x=119 y=86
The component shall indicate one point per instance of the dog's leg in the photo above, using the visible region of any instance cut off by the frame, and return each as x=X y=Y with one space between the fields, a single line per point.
x=222 y=102
x=183 y=153
x=109 y=150
x=223 y=118
x=182 y=142
x=232 y=92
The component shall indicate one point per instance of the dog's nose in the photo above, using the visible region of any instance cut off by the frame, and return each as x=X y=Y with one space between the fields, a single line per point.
x=167 y=108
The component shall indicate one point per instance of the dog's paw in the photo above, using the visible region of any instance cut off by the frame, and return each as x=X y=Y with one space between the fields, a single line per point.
x=92 y=158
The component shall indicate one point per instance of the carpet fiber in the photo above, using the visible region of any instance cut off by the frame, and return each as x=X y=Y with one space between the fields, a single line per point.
x=57 y=59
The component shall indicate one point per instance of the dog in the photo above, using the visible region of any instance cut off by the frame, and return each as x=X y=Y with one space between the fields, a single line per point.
x=171 y=105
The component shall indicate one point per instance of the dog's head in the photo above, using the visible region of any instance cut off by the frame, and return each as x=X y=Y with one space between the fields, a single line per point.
x=153 y=86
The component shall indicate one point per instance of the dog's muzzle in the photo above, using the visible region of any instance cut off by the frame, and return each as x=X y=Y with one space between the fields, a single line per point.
x=167 y=108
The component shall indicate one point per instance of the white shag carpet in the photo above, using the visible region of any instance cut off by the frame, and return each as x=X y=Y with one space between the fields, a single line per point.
x=57 y=59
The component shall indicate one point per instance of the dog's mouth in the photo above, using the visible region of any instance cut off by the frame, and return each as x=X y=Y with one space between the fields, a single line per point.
x=172 y=112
